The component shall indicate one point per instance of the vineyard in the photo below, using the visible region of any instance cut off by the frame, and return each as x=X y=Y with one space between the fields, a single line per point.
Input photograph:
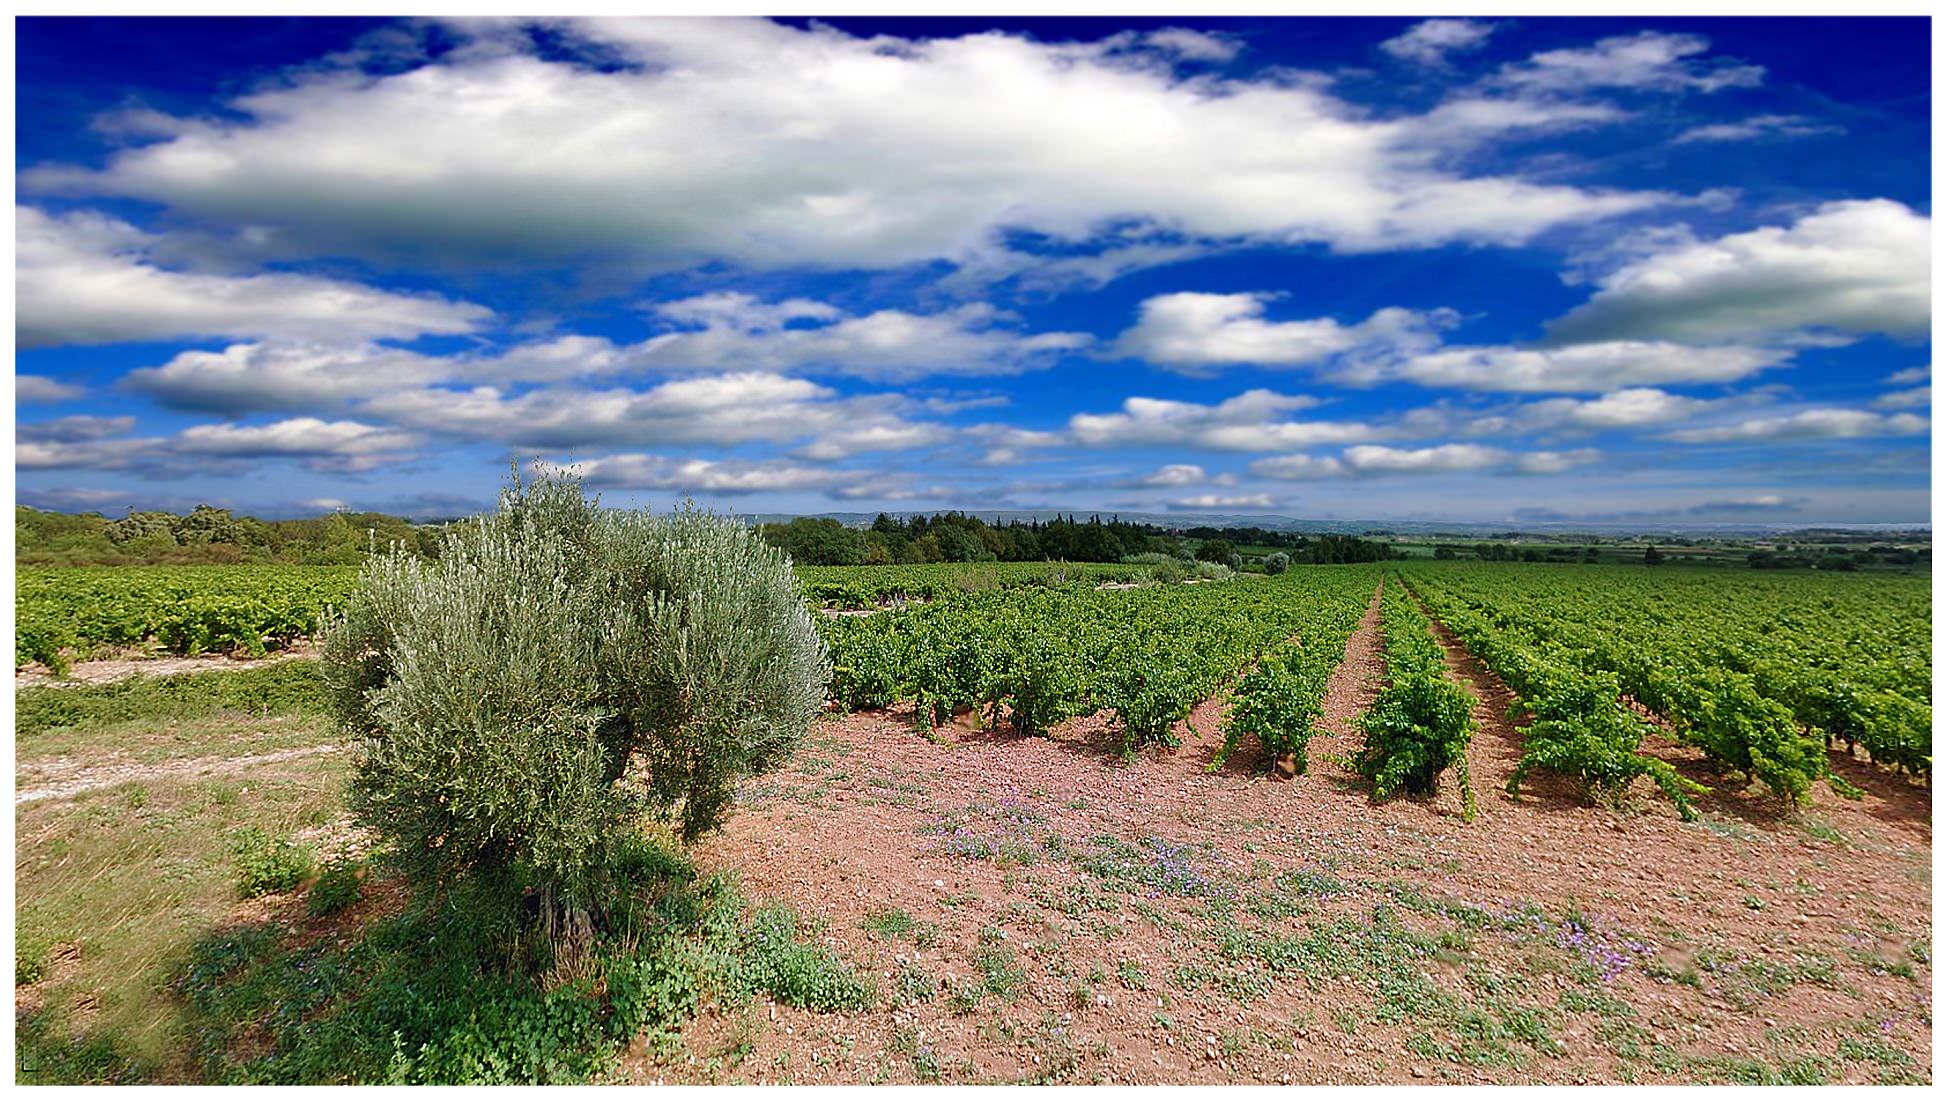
x=1760 y=673
x=1030 y=659
x=1587 y=823
x=64 y=613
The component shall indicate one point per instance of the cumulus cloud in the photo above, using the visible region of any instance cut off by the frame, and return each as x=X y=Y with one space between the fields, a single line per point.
x=75 y=428
x=736 y=331
x=1919 y=397
x=1173 y=476
x=1847 y=269
x=1223 y=502
x=1429 y=42
x=1298 y=466
x=1195 y=332
x=1581 y=367
x=1811 y=425
x=1373 y=460
x=253 y=377
x=720 y=410
x=1772 y=127
x=87 y=278
x=1909 y=376
x=824 y=150
x=876 y=438
x=87 y=442
x=1253 y=421
x=33 y=389
x=1647 y=61
x=643 y=471
x=1620 y=410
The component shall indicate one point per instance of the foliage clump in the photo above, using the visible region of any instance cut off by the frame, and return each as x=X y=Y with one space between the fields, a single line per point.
x=559 y=671
x=1421 y=723
x=267 y=865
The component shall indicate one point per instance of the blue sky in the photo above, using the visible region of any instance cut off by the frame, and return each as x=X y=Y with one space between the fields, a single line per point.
x=1656 y=271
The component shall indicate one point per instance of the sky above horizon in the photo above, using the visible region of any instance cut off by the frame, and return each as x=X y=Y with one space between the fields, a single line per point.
x=1592 y=270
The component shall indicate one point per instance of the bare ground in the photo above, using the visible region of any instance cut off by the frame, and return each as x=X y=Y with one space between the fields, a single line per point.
x=1123 y=903
x=130 y=663
x=65 y=777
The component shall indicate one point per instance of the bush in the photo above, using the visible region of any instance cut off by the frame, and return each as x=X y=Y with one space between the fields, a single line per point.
x=1275 y=563
x=266 y=865
x=558 y=671
x=337 y=888
x=1279 y=703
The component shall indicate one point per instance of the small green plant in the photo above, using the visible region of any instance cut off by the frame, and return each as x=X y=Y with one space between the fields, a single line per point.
x=336 y=889
x=30 y=961
x=891 y=922
x=795 y=972
x=266 y=865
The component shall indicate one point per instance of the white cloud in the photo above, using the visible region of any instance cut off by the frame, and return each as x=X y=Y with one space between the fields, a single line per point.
x=722 y=410
x=1370 y=460
x=33 y=389
x=1298 y=466
x=75 y=428
x=1193 y=332
x=89 y=442
x=1428 y=42
x=1454 y=457
x=1919 y=397
x=822 y=150
x=1647 y=61
x=1909 y=376
x=87 y=278
x=735 y=331
x=328 y=446
x=1816 y=423
x=1581 y=367
x=876 y=438
x=1756 y=128
x=1849 y=268
x=1546 y=463
x=1194 y=45
x=251 y=377
x=1623 y=409
x=1174 y=476
x=1252 y=421
x=1223 y=502
x=642 y=471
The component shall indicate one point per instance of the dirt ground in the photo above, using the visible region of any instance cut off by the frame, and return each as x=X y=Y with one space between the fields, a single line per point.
x=1039 y=909
x=128 y=664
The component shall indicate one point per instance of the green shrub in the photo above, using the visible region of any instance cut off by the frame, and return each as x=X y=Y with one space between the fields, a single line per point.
x=337 y=888
x=1275 y=563
x=506 y=694
x=1278 y=702
x=794 y=972
x=266 y=865
x=30 y=961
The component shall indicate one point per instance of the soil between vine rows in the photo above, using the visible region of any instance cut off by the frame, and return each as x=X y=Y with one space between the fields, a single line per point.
x=1748 y=941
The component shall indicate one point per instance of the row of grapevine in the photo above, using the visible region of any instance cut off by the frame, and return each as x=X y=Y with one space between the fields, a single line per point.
x=1580 y=727
x=1743 y=664
x=187 y=609
x=1046 y=656
x=1421 y=723
x=1281 y=698
x=863 y=586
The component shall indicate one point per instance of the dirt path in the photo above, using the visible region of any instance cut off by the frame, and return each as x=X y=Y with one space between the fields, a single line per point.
x=97 y=672
x=1353 y=686
x=66 y=777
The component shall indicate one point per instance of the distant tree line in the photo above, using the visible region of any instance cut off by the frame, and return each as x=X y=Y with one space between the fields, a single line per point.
x=210 y=535
x=955 y=537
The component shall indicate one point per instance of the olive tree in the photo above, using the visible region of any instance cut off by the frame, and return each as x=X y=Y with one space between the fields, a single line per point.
x=556 y=673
